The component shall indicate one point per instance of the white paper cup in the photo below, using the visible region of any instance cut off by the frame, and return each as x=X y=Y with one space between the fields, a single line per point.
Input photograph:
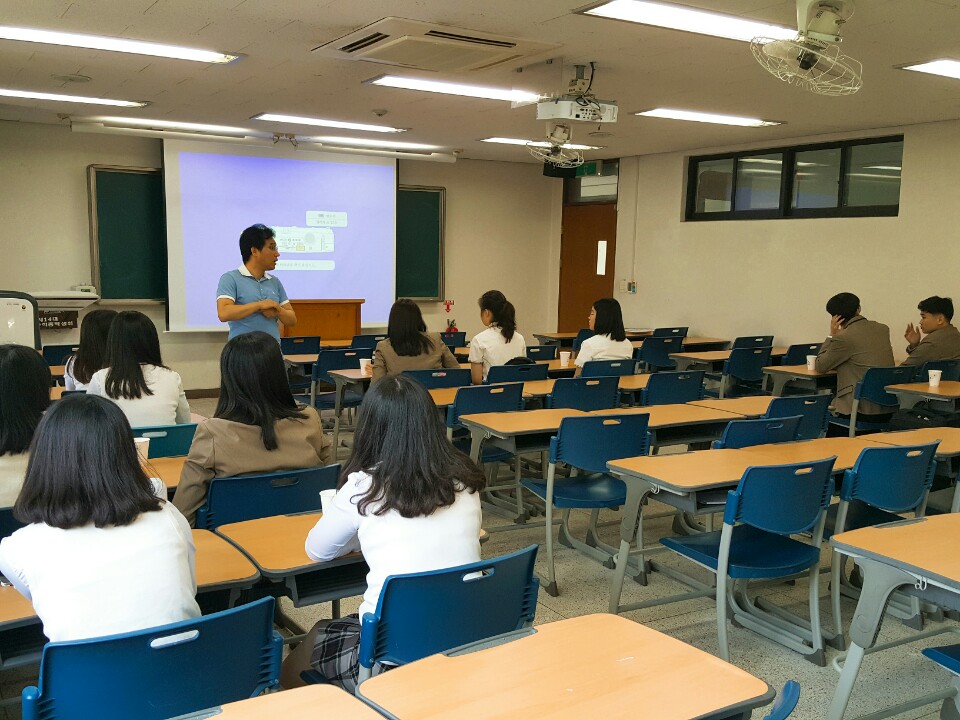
x=365 y=365
x=326 y=498
x=143 y=447
x=811 y=362
x=934 y=377
x=564 y=359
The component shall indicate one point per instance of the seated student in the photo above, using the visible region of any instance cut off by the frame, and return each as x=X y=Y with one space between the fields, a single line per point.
x=500 y=341
x=257 y=426
x=853 y=346
x=408 y=345
x=92 y=353
x=148 y=392
x=24 y=396
x=407 y=499
x=941 y=340
x=610 y=341
x=101 y=553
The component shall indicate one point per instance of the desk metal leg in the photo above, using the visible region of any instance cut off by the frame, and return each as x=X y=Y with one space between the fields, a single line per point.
x=630 y=528
x=341 y=384
x=779 y=383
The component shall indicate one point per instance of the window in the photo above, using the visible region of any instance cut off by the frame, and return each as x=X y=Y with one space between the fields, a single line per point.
x=596 y=182
x=844 y=179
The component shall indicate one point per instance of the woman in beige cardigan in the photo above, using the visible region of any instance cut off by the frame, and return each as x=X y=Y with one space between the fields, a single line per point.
x=408 y=345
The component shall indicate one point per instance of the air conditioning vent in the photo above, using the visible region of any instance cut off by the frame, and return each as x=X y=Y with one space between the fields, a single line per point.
x=364 y=42
x=469 y=39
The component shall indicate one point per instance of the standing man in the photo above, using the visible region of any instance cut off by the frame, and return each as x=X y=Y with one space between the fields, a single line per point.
x=941 y=340
x=249 y=299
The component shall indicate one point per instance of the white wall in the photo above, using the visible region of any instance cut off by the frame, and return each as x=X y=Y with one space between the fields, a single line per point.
x=732 y=278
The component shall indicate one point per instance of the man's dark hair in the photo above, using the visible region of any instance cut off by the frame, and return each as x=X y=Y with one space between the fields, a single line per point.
x=609 y=319
x=255 y=236
x=844 y=304
x=24 y=395
x=937 y=305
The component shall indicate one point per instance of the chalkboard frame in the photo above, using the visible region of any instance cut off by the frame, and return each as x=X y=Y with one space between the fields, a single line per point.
x=441 y=227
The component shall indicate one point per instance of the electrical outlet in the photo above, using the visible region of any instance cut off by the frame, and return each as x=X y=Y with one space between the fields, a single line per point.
x=624 y=286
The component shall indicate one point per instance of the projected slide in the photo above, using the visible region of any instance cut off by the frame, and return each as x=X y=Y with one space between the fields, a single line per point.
x=333 y=215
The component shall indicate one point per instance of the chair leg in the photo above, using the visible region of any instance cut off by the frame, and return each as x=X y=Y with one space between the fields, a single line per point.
x=722 y=644
x=836 y=567
x=817 y=656
x=591 y=538
x=521 y=511
x=551 y=585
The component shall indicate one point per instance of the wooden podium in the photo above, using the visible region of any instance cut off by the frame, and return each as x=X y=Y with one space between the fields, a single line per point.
x=330 y=319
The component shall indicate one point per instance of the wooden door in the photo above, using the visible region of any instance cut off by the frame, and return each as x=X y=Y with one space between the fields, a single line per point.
x=588 y=233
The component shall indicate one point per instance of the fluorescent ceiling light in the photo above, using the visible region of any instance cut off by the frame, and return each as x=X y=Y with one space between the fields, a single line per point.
x=883 y=167
x=320 y=122
x=537 y=143
x=167 y=125
x=677 y=17
x=366 y=142
x=449 y=88
x=673 y=114
x=99 y=42
x=946 y=68
x=56 y=97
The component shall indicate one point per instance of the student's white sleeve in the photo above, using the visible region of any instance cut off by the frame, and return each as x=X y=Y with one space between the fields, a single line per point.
x=584 y=355
x=335 y=534
x=476 y=351
x=183 y=407
x=94 y=387
x=9 y=567
x=68 y=382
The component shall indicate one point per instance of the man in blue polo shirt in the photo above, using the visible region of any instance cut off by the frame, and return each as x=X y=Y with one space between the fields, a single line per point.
x=249 y=299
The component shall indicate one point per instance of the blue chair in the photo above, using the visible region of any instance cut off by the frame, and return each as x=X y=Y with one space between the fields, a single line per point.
x=680 y=332
x=441 y=377
x=607 y=368
x=161 y=672
x=786 y=702
x=873 y=388
x=797 y=354
x=813 y=408
x=454 y=339
x=753 y=341
x=366 y=342
x=742 y=373
x=58 y=354
x=762 y=431
x=769 y=505
x=584 y=334
x=884 y=482
x=587 y=444
x=327 y=360
x=947 y=657
x=599 y=393
x=517 y=373
x=542 y=352
x=950 y=370
x=249 y=497
x=168 y=440
x=655 y=353
x=300 y=345
x=425 y=613
x=672 y=388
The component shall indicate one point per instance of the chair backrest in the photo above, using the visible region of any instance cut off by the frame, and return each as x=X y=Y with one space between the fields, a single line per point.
x=58 y=354
x=168 y=440
x=517 y=373
x=8 y=523
x=506 y=397
x=747 y=363
x=762 y=431
x=605 y=368
x=895 y=479
x=366 y=341
x=786 y=701
x=249 y=497
x=454 y=339
x=441 y=377
x=600 y=393
x=950 y=370
x=583 y=334
x=680 y=332
x=753 y=341
x=300 y=345
x=542 y=352
x=670 y=388
x=339 y=359
x=874 y=383
x=655 y=352
x=421 y=614
x=160 y=672
x=813 y=408
x=797 y=354
x=590 y=442
x=782 y=499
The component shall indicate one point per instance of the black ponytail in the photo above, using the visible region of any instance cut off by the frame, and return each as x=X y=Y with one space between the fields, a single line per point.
x=502 y=310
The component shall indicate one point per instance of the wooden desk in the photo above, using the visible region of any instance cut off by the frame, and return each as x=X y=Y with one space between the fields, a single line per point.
x=910 y=394
x=505 y=427
x=557 y=369
x=56 y=392
x=628 y=383
x=711 y=359
x=781 y=375
x=752 y=406
x=681 y=424
x=167 y=469
x=919 y=553
x=342 y=378
x=623 y=670
x=326 y=318
x=697 y=344
x=565 y=339
x=300 y=704
x=57 y=370
x=847 y=451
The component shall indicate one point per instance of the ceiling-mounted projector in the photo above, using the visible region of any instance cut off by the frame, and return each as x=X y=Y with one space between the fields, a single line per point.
x=577 y=107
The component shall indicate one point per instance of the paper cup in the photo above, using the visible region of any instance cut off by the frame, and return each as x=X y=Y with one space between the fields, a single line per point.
x=811 y=362
x=934 y=377
x=326 y=498
x=564 y=359
x=143 y=447
x=365 y=365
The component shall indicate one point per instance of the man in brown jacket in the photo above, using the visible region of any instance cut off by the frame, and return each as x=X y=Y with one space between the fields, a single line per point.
x=854 y=345
x=941 y=340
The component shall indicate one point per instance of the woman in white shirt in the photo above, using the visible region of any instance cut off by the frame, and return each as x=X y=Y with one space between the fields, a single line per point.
x=408 y=500
x=610 y=341
x=101 y=554
x=500 y=342
x=147 y=391
x=92 y=353
x=24 y=396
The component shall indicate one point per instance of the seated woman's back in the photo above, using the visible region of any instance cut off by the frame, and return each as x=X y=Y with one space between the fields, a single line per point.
x=24 y=396
x=408 y=345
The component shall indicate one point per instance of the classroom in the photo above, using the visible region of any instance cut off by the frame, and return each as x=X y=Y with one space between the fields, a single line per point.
x=749 y=260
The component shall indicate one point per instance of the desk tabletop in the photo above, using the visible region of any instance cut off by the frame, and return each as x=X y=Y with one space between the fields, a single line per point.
x=56 y=392
x=167 y=469
x=557 y=366
x=846 y=449
x=671 y=415
x=220 y=563
x=687 y=472
x=946 y=390
x=57 y=370
x=642 y=332
x=798 y=371
x=300 y=704
x=14 y=607
x=621 y=666
x=719 y=355
x=926 y=547
x=692 y=341
x=301 y=358
x=520 y=423
x=949 y=438
x=751 y=406
x=275 y=544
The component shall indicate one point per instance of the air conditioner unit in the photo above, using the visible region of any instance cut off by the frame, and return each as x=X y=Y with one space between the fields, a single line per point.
x=64 y=299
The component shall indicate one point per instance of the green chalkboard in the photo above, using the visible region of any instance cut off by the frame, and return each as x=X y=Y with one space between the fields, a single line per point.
x=128 y=237
x=420 y=222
